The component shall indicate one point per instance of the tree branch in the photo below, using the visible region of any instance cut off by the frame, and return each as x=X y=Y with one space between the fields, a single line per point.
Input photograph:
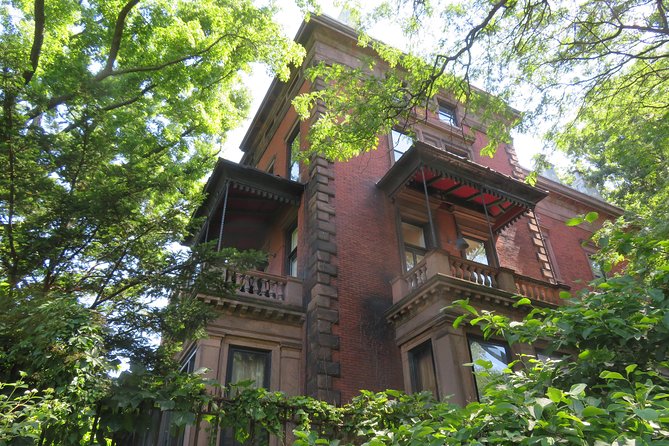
x=662 y=11
x=116 y=40
x=171 y=62
x=38 y=40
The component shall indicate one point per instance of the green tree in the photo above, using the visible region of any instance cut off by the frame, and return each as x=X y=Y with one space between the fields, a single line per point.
x=112 y=113
x=552 y=59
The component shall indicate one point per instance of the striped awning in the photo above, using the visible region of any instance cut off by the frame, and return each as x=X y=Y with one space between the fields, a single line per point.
x=457 y=180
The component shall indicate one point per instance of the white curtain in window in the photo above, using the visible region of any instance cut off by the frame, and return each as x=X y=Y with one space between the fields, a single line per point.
x=248 y=366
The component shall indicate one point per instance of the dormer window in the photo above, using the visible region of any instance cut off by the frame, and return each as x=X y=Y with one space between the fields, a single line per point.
x=446 y=114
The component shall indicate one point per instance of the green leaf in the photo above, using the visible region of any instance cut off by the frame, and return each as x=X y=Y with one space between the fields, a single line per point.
x=577 y=389
x=166 y=404
x=584 y=354
x=647 y=414
x=630 y=368
x=591 y=216
x=611 y=375
x=522 y=301
x=483 y=363
x=458 y=320
x=554 y=394
x=574 y=221
x=592 y=411
x=565 y=295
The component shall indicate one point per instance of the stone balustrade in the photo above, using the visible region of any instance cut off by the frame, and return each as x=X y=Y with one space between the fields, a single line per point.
x=262 y=285
x=538 y=290
x=473 y=272
x=440 y=262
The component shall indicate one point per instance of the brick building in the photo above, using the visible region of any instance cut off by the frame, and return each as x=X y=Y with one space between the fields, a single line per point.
x=364 y=255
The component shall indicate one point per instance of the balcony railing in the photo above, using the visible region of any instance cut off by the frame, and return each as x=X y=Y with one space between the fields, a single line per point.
x=439 y=262
x=261 y=285
x=474 y=272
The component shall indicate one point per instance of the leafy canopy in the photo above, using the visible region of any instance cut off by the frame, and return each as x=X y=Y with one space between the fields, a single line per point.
x=554 y=60
x=111 y=115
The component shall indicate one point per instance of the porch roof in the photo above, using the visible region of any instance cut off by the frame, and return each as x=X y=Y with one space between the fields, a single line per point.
x=251 y=191
x=460 y=181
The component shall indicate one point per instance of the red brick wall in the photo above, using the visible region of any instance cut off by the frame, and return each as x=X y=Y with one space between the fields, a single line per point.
x=516 y=250
x=499 y=162
x=368 y=256
x=567 y=242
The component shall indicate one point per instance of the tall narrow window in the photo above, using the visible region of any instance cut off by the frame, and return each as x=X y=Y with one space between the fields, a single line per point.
x=291 y=257
x=421 y=367
x=188 y=364
x=400 y=142
x=293 y=150
x=270 y=165
x=446 y=114
x=495 y=354
x=415 y=247
x=248 y=364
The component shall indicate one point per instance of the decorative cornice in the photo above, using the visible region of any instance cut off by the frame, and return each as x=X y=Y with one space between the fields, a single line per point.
x=260 y=309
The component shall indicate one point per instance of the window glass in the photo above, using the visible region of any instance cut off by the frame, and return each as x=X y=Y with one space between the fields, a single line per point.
x=248 y=365
x=421 y=364
x=493 y=352
x=595 y=267
x=413 y=237
x=446 y=114
x=293 y=149
x=401 y=142
x=412 y=258
x=188 y=364
x=476 y=251
x=292 y=252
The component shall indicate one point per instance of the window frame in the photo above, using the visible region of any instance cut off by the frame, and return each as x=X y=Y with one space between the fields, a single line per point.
x=243 y=349
x=188 y=361
x=414 y=375
x=401 y=135
x=414 y=250
x=291 y=162
x=596 y=268
x=480 y=340
x=270 y=165
x=450 y=114
x=291 y=253
x=488 y=246
x=226 y=436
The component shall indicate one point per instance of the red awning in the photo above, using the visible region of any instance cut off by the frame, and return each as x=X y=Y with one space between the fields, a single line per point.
x=462 y=182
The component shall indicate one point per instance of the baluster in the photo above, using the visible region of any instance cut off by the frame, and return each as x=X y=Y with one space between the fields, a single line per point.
x=280 y=288
x=246 y=285
x=260 y=286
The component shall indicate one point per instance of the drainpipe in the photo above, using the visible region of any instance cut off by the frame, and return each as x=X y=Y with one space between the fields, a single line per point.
x=492 y=237
x=429 y=211
x=225 y=205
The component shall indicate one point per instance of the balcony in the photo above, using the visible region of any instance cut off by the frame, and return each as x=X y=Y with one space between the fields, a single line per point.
x=471 y=279
x=259 y=295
